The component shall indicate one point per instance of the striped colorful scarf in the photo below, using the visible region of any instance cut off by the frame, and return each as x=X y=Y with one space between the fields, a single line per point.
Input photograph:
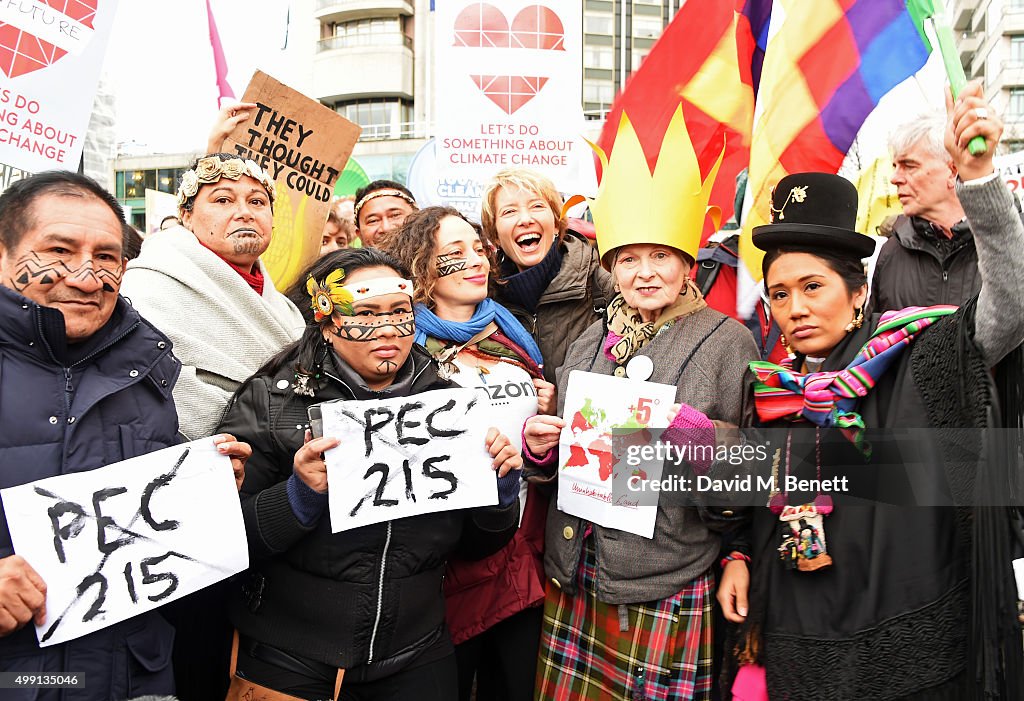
x=829 y=398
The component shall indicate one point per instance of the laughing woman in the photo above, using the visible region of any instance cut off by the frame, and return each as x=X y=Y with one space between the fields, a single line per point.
x=494 y=604
x=552 y=277
x=367 y=600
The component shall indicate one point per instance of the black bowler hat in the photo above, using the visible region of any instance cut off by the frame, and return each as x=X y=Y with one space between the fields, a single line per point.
x=814 y=210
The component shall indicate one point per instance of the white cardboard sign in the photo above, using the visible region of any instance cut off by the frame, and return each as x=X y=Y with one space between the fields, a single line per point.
x=408 y=456
x=123 y=539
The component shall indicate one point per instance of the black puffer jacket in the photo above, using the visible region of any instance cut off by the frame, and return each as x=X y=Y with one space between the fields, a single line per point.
x=73 y=408
x=351 y=598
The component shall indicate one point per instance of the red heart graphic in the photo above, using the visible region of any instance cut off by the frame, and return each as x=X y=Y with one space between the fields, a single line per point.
x=509 y=92
x=21 y=52
x=485 y=26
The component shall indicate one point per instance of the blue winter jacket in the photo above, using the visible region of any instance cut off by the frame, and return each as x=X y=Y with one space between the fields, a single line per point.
x=71 y=408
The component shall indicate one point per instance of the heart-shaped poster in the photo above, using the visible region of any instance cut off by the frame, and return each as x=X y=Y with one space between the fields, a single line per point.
x=534 y=27
x=22 y=51
x=485 y=26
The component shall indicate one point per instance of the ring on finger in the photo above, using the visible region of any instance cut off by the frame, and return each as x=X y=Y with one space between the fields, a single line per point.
x=981 y=113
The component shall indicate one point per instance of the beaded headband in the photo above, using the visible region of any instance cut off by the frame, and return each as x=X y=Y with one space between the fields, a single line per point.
x=381 y=193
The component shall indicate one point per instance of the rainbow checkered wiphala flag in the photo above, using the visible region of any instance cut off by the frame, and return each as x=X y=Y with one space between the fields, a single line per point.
x=827 y=65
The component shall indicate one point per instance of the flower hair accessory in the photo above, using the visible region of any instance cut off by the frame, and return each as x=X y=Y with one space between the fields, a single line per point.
x=330 y=295
x=211 y=169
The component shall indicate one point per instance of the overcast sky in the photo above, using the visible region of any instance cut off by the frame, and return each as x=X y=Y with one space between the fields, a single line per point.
x=160 y=66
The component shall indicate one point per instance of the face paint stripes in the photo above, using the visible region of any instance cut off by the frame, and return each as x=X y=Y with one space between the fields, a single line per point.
x=449 y=264
x=32 y=270
x=362 y=328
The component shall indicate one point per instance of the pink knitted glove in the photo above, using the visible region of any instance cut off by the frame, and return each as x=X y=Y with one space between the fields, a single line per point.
x=693 y=427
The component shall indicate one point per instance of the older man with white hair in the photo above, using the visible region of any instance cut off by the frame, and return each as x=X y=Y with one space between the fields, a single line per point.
x=930 y=257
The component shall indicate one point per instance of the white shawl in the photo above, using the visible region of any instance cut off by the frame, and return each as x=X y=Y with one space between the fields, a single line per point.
x=221 y=329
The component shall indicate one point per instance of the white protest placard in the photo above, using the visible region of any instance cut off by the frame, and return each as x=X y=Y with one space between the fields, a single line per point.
x=50 y=60
x=123 y=539
x=408 y=456
x=1010 y=167
x=513 y=79
x=595 y=405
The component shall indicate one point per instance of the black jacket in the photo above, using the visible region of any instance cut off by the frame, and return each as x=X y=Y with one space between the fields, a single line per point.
x=914 y=270
x=74 y=408
x=351 y=598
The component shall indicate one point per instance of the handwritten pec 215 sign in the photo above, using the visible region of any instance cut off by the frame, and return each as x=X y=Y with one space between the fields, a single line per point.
x=408 y=456
x=118 y=541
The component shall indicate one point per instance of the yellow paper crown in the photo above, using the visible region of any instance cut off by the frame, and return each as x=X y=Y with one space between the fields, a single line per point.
x=668 y=208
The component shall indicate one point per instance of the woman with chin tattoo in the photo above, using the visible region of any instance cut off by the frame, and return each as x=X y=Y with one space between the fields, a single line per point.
x=204 y=285
x=493 y=605
x=367 y=600
x=553 y=280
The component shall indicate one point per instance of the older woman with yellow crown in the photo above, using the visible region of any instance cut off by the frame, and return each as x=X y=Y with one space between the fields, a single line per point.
x=627 y=616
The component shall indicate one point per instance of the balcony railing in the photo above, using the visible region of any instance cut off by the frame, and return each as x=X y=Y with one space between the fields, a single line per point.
x=354 y=40
x=396 y=130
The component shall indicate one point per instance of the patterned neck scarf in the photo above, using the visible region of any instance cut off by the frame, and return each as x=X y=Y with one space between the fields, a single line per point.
x=828 y=398
x=628 y=332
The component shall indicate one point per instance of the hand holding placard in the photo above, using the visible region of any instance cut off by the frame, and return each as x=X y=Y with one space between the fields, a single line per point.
x=22 y=595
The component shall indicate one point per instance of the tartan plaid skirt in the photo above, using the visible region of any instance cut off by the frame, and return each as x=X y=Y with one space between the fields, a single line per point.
x=665 y=654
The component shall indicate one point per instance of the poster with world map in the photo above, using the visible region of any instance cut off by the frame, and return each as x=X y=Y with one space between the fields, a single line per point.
x=595 y=406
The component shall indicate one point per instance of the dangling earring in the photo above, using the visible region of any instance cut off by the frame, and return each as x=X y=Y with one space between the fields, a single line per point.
x=785 y=344
x=857 y=321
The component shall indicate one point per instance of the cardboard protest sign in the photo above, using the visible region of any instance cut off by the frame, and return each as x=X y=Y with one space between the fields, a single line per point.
x=304 y=147
x=118 y=541
x=408 y=456
x=50 y=59
x=595 y=405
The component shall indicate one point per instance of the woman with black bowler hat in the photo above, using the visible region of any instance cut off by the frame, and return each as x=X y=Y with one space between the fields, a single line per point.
x=880 y=600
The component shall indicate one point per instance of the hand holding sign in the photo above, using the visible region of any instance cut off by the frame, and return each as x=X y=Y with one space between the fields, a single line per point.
x=309 y=462
x=542 y=433
x=228 y=119
x=22 y=595
x=238 y=451
x=506 y=457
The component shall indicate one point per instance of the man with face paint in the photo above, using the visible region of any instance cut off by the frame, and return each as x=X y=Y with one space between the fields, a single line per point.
x=86 y=382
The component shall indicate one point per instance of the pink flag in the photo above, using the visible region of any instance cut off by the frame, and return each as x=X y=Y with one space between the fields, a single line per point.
x=220 y=63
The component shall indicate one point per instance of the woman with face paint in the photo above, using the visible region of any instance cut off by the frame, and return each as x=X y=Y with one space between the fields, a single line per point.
x=493 y=604
x=368 y=600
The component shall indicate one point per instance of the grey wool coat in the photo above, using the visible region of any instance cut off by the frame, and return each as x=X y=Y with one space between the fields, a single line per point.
x=705 y=356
